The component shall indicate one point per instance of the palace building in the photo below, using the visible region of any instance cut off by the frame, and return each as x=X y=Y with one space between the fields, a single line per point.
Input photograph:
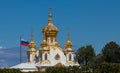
x=50 y=53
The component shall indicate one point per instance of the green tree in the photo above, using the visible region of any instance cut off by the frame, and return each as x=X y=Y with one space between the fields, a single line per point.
x=99 y=59
x=10 y=70
x=108 y=68
x=85 y=55
x=111 y=52
x=56 y=70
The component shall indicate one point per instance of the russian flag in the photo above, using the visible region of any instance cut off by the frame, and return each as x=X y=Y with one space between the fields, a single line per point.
x=24 y=42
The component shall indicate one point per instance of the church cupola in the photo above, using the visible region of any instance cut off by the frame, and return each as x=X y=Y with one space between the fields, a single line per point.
x=50 y=31
x=44 y=43
x=31 y=52
x=69 y=52
x=32 y=44
x=68 y=44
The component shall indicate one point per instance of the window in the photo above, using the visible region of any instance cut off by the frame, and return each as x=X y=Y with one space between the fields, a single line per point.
x=57 y=57
x=70 y=57
x=51 y=40
x=48 y=40
x=46 y=56
x=41 y=56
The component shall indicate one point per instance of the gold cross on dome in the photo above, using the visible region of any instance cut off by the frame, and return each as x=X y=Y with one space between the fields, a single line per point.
x=50 y=9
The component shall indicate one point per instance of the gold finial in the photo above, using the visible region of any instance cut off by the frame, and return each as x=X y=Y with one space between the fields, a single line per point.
x=50 y=9
x=32 y=44
x=50 y=15
x=68 y=44
x=32 y=35
x=69 y=36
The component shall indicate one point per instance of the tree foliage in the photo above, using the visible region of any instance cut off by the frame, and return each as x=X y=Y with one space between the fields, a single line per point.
x=85 y=54
x=98 y=59
x=108 y=68
x=10 y=70
x=111 y=52
x=100 y=68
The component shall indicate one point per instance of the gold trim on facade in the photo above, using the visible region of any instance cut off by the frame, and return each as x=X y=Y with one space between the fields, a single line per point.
x=44 y=62
x=59 y=65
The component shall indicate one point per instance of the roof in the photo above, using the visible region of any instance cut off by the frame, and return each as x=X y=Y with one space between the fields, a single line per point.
x=25 y=65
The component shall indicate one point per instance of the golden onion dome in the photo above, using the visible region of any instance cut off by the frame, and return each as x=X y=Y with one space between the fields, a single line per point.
x=68 y=44
x=50 y=27
x=44 y=43
x=32 y=44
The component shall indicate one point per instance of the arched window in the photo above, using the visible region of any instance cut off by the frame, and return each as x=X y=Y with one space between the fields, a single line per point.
x=48 y=40
x=46 y=56
x=57 y=57
x=51 y=40
x=41 y=56
x=70 y=57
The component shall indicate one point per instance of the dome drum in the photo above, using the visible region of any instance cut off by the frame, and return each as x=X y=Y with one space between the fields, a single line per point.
x=50 y=34
x=66 y=51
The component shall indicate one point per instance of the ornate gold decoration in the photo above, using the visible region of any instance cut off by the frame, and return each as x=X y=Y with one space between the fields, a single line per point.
x=50 y=29
x=69 y=62
x=32 y=44
x=56 y=44
x=44 y=62
x=59 y=65
x=68 y=44
x=76 y=62
x=44 y=43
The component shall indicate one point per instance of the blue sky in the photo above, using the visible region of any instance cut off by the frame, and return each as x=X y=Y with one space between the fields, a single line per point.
x=94 y=22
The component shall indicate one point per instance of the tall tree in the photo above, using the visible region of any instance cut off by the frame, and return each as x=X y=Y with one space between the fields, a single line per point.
x=99 y=59
x=85 y=54
x=111 y=52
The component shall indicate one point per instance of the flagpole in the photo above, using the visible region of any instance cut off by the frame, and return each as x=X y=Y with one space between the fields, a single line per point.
x=20 y=51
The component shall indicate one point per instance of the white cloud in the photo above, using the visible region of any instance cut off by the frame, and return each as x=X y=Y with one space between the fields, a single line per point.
x=8 y=54
x=2 y=47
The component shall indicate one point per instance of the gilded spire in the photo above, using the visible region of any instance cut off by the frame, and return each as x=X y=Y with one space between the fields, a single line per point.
x=32 y=35
x=50 y=27
x=44 y=43
x=68 y=44
x=32 y=44
x=50 y=16
x=69 y=36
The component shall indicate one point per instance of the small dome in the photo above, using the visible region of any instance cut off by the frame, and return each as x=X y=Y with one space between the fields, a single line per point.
x=32 y=44
x=50 y=27
x=68 y=44
x=44 y=43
